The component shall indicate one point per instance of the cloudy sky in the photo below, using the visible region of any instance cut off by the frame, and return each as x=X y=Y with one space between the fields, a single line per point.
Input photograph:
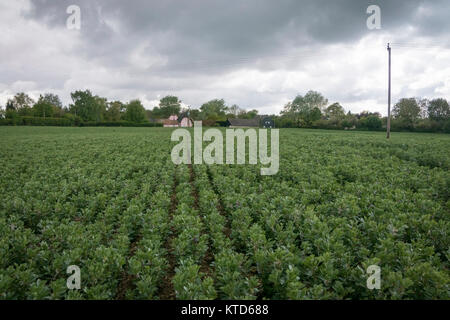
x=254 y=53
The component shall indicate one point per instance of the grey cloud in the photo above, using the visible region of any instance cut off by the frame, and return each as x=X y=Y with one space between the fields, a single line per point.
x=196 y=33
x=180 y=47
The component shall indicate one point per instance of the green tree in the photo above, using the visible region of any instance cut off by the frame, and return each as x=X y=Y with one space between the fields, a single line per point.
x=25 y=111
x=10 y=105
x=290 y=112
x=438 y=110
x=48 y=105
x=248 y=114
x=10 y=112
x=168 y=106
x=114 y=111
x=314 y=99
x=349 y=120
x=195 y=114
x=407 y=111
x=86 y=106
x=135 y=111
x=43 y=108
x=371 y=122
x=214 y=109
x=22 y=100
x=306 y=108
x=53 y=99
x=423 y=105
x=234 y=111
x=313 y=115
x=335 y=111
x=102 y=106
x=21 y=103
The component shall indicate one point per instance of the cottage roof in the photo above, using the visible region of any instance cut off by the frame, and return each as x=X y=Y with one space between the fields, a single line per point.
x=243 y=122
x=183 y=115
x=168 y=122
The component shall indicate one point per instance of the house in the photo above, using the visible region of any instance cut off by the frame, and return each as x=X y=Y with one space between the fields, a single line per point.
x=185 y=121
x=174 y=121
x=243 y=123
x=268 y=123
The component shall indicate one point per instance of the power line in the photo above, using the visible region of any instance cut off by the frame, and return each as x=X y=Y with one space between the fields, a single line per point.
x=276 y=57
x=441 y=46
x=286 y=55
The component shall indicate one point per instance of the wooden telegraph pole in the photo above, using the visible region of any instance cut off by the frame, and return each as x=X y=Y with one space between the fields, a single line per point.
x=388 y=126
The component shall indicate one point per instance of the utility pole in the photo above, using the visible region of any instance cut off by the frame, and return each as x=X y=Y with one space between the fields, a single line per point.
x=388 y=126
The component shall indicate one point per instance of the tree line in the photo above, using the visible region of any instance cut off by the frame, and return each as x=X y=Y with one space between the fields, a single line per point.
x=85 y=108
x=409 y=114
x=311 y=110
x=89 y=109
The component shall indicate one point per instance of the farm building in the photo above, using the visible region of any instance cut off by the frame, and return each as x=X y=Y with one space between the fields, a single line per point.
x=243 y=123
x=185 y=121
x=171 y=122
x=182 y=120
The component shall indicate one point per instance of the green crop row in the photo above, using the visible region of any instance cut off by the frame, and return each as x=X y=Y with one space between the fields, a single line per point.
x=110 y=201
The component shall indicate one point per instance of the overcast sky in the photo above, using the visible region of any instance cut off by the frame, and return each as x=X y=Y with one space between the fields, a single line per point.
x=254 y=53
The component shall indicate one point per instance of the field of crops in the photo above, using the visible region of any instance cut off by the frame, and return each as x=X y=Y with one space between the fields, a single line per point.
x=111 y=201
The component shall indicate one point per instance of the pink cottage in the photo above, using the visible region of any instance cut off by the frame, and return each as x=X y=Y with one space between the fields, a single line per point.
x=182 y=120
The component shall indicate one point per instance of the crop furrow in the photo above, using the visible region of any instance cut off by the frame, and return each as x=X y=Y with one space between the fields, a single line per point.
x=205 y=265
x=126 y=284
x=167 y=291
x=220 y=207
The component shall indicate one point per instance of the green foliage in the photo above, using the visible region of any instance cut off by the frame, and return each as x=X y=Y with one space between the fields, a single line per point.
x=407 y=110
x=371 y=123
x=86 y=106
x=190 y=284
x=439 y=110
x=169 y=105
x=19 y=102
x=231 y=268
x=43 y=108
x=139 y=226
x=71 y=120
x=120 y=123
x=135 y=112
x=335 y=111
x=214 y=109
x=114 y=111
x=305 y=109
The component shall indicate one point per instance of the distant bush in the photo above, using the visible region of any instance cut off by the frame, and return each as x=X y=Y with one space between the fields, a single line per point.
x=120 y=124
x=76 y=120
x=6 y=122
x=221 y=123
x=37 y=121
x=326 y=124
x=71 y=120
x=284 y=122
x=370 y=123
x=428 y=126
x=210 y=123
x=446 y=127
x=424 y=125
